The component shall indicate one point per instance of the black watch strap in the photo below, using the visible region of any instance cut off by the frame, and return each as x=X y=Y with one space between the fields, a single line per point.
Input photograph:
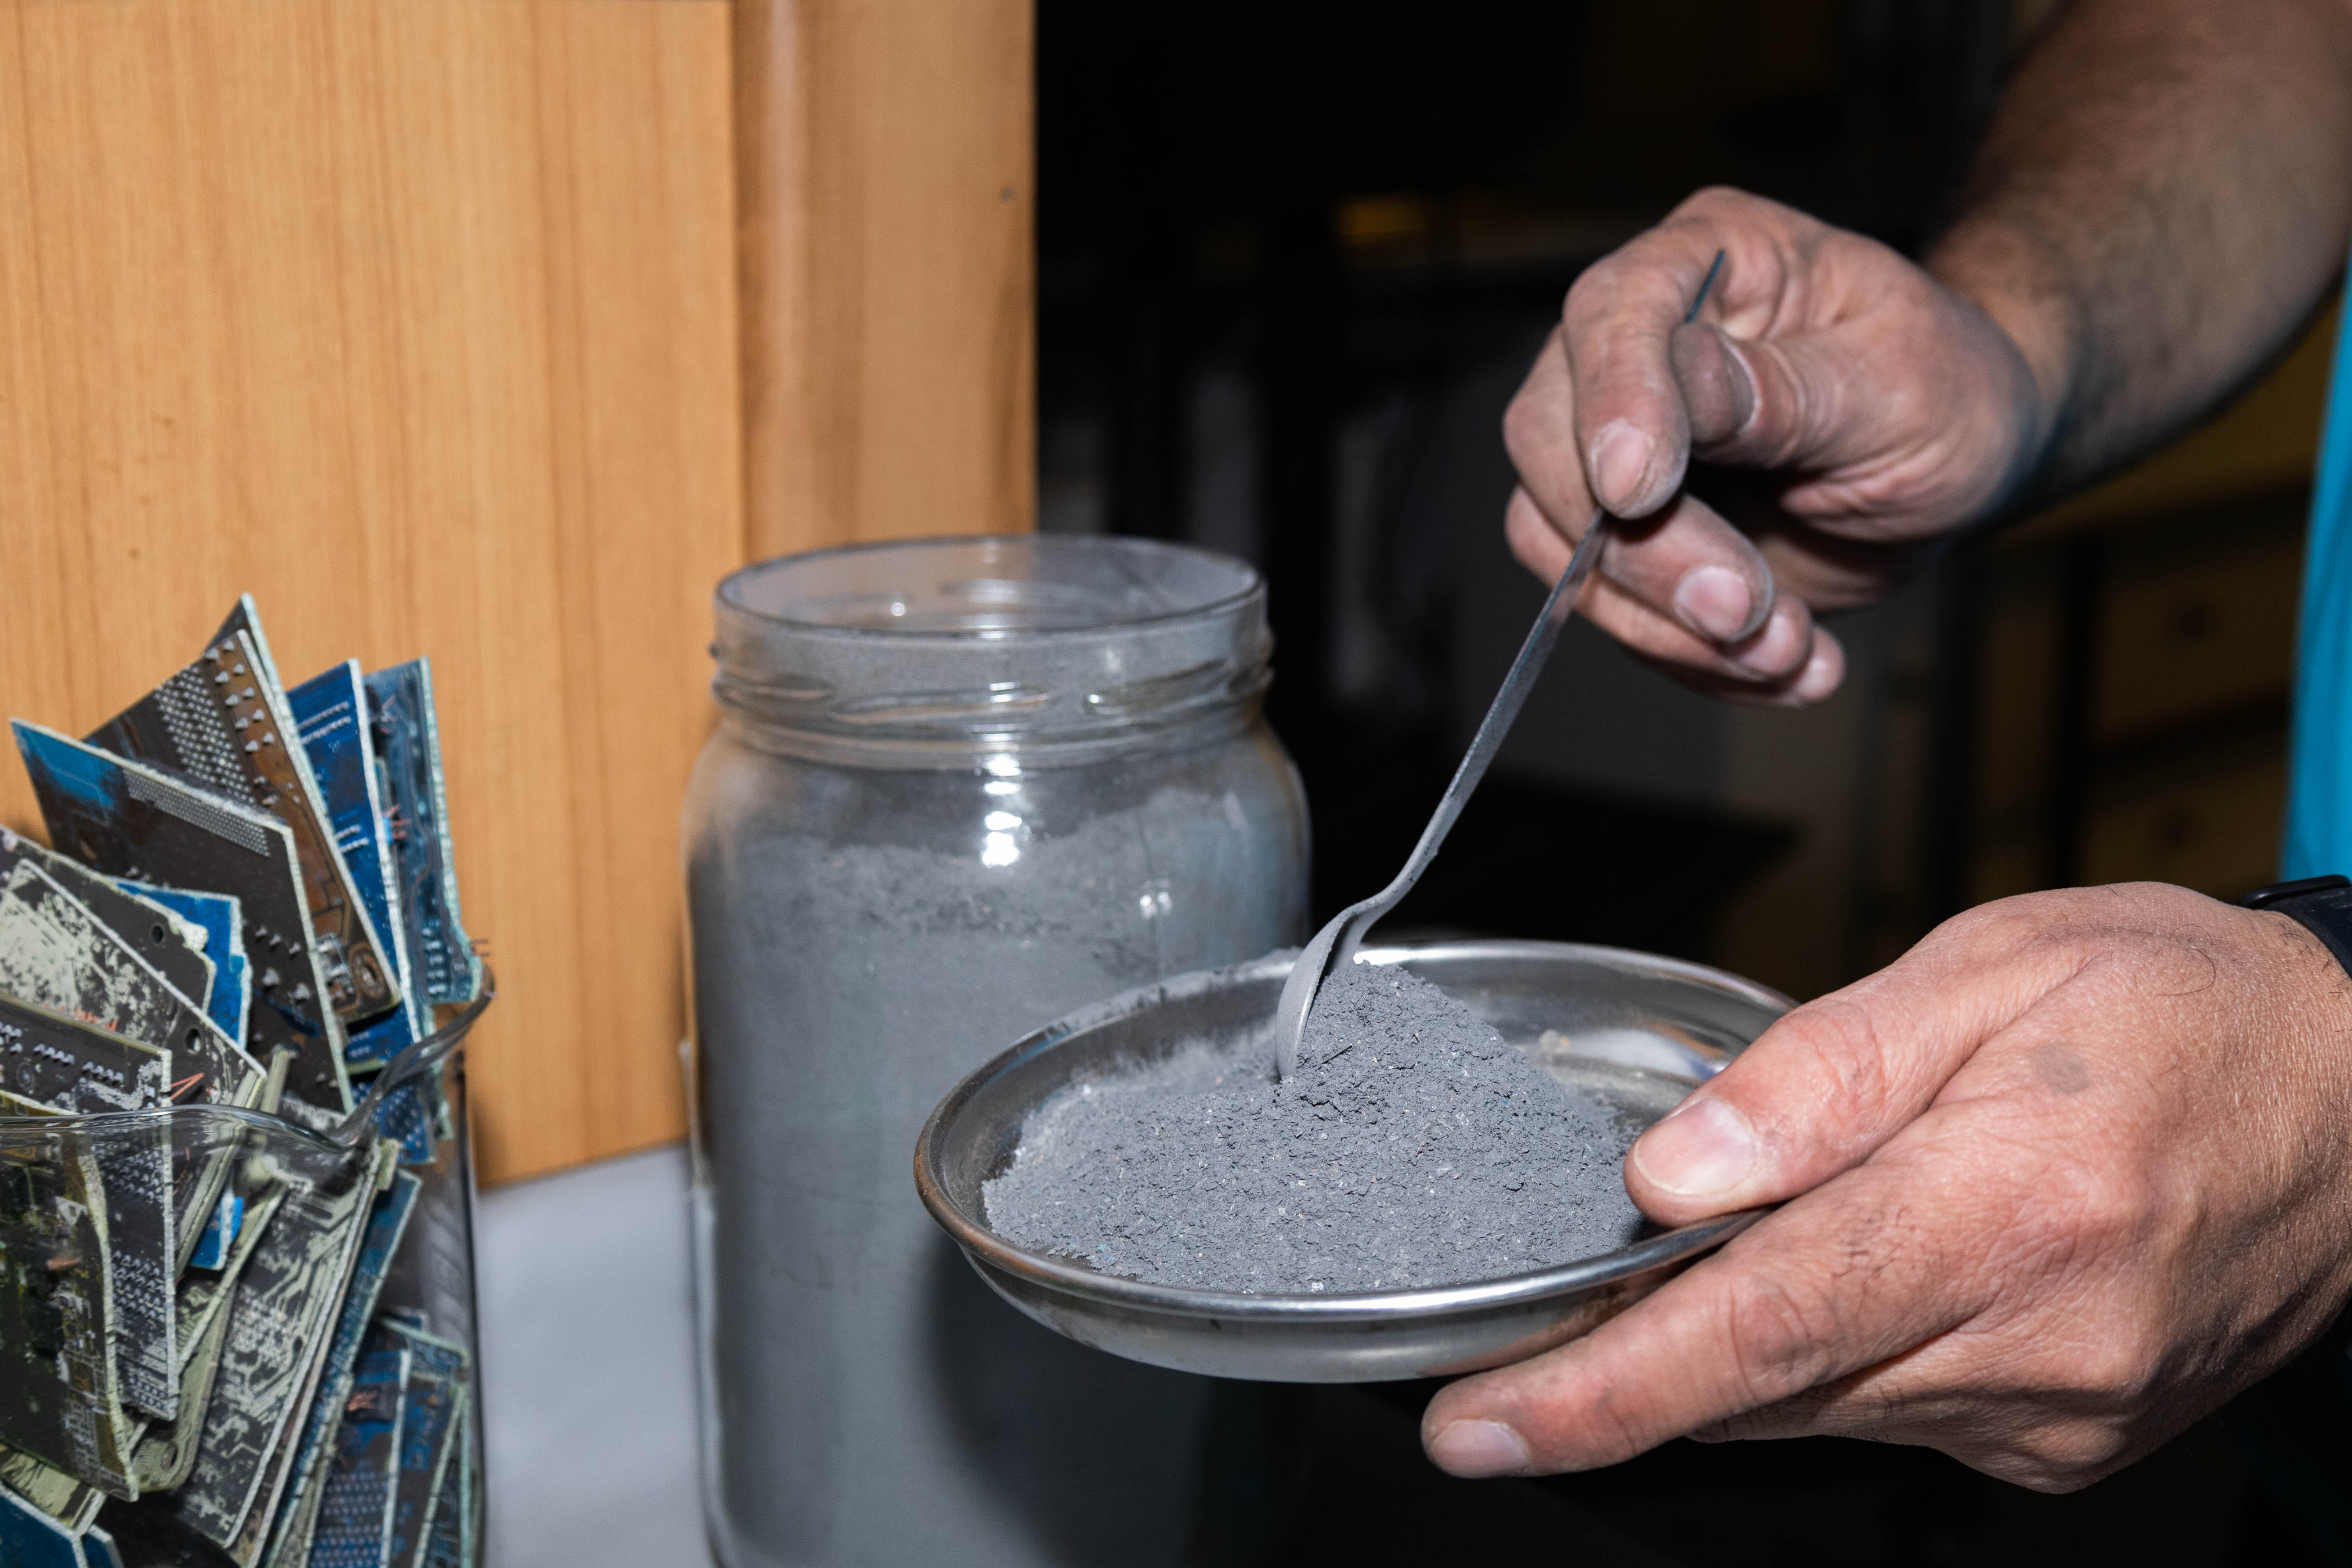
x=2323 y=905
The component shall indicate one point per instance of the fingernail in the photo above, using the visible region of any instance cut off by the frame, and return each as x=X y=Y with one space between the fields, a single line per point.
x=1822 y=672
x=1702 y=1149
x=1772 y=651
x=1619 y=459
x=1714 y=601
x=1476 y=1449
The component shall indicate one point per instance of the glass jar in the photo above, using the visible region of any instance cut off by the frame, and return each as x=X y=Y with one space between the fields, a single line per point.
x=957 y=788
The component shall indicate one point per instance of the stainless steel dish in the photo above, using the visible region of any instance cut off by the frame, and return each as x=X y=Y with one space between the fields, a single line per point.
x=1638 y=1030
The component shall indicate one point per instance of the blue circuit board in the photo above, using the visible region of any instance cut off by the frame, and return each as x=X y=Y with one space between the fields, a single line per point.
x=432 y=1407
x=220 y=1233
x=222 y=724
x=355 y=1516
x=408 y=754
x=331 y=716
x=405 y=1117
x=387 y=1222
x=216 y=914
x=32 y=1539
x=450 y=1540
x=129 y=820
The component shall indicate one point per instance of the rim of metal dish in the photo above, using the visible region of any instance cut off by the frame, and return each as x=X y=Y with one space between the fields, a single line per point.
x=1073 y=1278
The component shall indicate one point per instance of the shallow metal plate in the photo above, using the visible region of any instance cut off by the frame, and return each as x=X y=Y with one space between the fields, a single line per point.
x=1640 y=1030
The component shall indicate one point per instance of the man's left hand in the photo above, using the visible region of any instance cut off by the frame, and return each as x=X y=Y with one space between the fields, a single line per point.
x=2064 y=1178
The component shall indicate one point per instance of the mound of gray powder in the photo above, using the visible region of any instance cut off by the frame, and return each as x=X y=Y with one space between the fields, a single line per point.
x=1412 y=1147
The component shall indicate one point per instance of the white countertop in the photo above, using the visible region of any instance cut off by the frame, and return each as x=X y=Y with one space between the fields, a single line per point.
x=589 y=1404
x=587 y=1368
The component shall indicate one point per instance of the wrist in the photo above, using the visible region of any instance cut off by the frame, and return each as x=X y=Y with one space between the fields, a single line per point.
x=1993 y=273
x=2321 y=905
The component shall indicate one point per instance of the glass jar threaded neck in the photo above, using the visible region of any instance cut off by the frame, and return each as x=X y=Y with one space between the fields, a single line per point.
x=931 y=653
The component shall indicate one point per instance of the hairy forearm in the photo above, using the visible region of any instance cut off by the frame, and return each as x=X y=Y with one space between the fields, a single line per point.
x=2162 y=198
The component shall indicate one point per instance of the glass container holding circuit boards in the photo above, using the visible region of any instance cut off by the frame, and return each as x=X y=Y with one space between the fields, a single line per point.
x=237 y=1286
x=227 y=1339
x=959 y=788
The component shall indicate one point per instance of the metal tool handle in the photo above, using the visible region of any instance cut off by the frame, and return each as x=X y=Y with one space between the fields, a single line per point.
x=1500 y=715
x=1336 y=942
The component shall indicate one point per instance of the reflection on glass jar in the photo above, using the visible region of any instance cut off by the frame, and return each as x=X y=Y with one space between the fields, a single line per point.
x=959 y=789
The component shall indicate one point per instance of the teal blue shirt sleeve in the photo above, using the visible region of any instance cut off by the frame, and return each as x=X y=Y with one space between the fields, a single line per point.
x=2319 y=769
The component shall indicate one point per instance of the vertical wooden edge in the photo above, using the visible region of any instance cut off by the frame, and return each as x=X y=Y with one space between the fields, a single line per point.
x=770 y=173
x=884 y=159
x=1021 y=308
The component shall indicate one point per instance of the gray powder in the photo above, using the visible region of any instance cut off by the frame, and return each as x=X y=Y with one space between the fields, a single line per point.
x=877 y=1405
x=1414 y=1147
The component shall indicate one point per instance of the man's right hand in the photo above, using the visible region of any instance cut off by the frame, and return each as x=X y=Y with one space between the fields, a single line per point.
x=1849 y=409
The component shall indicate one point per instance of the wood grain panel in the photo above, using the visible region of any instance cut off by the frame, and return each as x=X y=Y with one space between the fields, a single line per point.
x=417 y=319
x=887 y=205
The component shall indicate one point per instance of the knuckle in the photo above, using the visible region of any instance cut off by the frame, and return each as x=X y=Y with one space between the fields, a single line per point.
x=1778 y=1329
x=2113 y=1369
x=1581 y=1421
x=2066 y=1455
x=2027 y=917
x=2072 y=1223
x=1525 y=532
x=1612 y=1436
x=2117 y=1373
x=1619 y=300
x=1527 y=426
x=1720 y=202
x=2073 y=1212
x=1836 y=1044
x=2070 y=927
x=1591 y=298
x=2155 y=936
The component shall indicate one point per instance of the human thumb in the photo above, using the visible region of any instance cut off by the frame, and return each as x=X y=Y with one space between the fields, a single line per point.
x=1833 y=1079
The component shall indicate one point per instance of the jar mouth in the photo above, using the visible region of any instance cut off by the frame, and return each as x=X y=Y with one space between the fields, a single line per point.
x=946 y=647
x=987 y=587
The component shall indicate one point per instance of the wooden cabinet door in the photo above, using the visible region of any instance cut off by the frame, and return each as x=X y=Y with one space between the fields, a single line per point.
x=418 y=319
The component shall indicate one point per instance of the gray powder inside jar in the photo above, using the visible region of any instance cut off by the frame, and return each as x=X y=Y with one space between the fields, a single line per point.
x=1414 y=1147
x=881 y=1405
x=959 y=789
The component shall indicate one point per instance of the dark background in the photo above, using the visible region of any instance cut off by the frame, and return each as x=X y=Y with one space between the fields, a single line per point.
x=1293 y=260
x=1295 y=256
